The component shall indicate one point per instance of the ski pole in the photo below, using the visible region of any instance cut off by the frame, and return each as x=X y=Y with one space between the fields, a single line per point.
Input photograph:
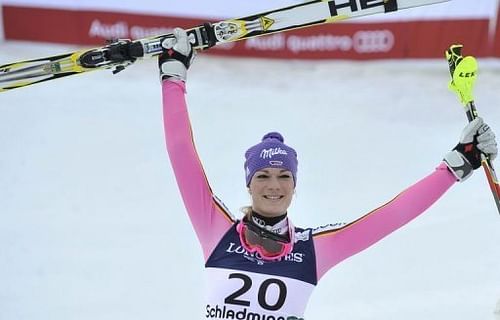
x=463 y=73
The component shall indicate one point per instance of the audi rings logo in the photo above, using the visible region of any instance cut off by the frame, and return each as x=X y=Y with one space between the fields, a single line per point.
x=373 y=41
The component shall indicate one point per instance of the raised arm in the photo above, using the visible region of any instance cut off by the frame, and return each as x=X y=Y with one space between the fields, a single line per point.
x=335 y=245
x=208 y=216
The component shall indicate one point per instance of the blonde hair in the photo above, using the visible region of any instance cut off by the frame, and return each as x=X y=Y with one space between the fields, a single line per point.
x=246 y=210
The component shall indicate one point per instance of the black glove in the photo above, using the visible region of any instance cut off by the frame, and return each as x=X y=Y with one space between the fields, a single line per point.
x=477 y=138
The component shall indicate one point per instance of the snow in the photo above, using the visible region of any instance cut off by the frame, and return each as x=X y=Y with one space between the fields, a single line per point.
x=92 y=225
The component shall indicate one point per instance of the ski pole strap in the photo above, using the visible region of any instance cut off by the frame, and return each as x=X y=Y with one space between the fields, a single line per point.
x=209 y=35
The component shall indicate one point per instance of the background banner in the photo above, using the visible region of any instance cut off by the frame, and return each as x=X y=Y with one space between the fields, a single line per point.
x=415 y=33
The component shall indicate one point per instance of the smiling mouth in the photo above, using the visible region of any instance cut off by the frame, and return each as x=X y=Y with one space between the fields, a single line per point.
x=273 y=197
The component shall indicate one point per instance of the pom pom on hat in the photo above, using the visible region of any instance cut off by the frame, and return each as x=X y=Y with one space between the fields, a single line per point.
x=271 y=152
x=273 y=135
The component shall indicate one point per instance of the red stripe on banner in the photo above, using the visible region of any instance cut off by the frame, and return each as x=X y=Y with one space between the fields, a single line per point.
x=429 y=39
x=39 y=24
x=84 y=27
x=357 y=41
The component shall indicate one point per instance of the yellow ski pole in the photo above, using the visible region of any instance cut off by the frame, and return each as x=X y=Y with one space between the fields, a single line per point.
x=463 y=76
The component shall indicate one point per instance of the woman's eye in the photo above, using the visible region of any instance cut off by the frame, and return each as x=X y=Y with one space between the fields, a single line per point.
x=285 y=176
x=262 y=176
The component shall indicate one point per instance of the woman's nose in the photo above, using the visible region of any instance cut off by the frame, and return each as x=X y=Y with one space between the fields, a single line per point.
x=274 y=183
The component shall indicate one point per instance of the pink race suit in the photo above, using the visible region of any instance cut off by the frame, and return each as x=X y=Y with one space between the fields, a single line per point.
x=240 y=284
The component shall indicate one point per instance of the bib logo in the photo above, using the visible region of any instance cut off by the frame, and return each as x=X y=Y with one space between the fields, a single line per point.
x=226 y=312
x=255 y=257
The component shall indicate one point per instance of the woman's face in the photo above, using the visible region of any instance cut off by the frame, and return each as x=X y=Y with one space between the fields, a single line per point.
x=272 y=191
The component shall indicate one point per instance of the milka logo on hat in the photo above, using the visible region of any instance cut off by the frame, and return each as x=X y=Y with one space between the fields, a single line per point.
x=269 y=153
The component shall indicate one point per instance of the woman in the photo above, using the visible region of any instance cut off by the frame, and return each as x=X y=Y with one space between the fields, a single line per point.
x=263 y=267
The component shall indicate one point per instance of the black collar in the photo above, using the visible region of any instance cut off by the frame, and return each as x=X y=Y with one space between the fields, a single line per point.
x=269 y=221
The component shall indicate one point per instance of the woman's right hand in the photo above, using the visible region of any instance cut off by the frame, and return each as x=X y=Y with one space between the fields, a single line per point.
x=177 y=56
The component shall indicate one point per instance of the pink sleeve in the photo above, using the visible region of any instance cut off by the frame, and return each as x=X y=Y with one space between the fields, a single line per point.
x=331 y=247
x=208 y=217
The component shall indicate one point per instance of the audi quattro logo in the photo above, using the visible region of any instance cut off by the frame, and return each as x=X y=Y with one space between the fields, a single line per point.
x=371 y=41
x=361 y=42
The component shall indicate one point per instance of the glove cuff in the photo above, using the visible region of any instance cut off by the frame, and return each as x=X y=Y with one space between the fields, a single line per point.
x=458 y=165
x=173 y=69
